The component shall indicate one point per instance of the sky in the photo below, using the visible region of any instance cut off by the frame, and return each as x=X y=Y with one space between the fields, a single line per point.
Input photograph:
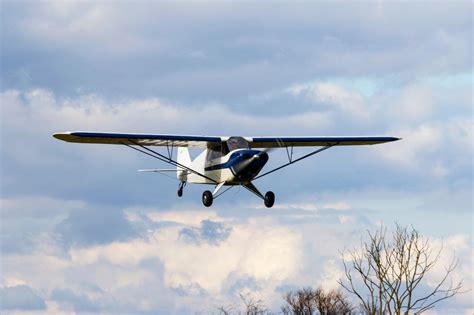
x=82 y=231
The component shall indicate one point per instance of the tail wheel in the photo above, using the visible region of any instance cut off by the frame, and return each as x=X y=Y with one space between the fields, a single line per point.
x=207 y=198
x=269 y=199
x=180 y=188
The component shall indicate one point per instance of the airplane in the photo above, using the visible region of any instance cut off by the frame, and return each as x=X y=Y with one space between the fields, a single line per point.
x=225 y=161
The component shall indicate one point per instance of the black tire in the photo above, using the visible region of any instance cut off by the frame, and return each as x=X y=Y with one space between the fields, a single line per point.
x=207 y=198
x=269 y=199
x=180 y=192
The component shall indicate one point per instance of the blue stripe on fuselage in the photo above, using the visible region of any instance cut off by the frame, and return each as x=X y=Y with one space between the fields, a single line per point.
x=234 y=159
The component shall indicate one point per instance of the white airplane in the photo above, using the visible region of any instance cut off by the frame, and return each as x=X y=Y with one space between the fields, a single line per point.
x=225 y=161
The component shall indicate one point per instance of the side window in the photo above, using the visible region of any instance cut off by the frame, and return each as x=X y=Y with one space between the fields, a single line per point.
x=224 y=150
x=214 y=152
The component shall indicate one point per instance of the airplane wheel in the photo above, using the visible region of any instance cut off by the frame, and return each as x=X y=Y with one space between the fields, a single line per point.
x=180 y=192
x=207 y=198
x=269 y=199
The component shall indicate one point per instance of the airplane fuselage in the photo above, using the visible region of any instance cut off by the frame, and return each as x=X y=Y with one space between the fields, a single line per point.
x=235 y=168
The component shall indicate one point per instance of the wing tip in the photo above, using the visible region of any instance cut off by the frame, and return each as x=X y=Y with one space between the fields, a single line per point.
x=61 y=135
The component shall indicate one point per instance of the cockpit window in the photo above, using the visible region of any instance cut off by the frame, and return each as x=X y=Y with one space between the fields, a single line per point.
x=235 y=143
x=214 y=152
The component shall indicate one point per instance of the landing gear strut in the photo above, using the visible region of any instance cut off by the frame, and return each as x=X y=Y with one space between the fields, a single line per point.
x=180 y=188
x=207 y=198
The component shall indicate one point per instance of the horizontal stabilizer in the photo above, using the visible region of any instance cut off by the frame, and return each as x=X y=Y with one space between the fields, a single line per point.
x=160 y=170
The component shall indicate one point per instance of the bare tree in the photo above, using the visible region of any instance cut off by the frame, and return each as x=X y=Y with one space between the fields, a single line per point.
x=225 y=310
x=332 y=302
x=253 y=306
x=300 y=302
x=386 y=274
x=308 y=302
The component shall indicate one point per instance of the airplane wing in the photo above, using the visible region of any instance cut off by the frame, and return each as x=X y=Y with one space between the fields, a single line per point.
x=209 y=141
x=276 y=142
x=136 y=138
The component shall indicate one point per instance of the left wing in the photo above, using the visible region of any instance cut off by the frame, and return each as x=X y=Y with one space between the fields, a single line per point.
x=276 y=142
x=137 y=138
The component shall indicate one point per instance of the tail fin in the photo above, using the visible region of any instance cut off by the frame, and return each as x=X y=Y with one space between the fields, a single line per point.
x=184 y=159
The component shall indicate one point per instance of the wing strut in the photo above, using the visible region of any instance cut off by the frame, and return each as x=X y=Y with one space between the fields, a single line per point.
x=294 y=161
x=165 y=159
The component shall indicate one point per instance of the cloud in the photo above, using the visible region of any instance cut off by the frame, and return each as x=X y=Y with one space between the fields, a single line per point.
x=26 y=218
x=92 y=226
x=82 y=299
x=52 y=114
x=38 y=206
x=454 y=249
x=415 y=104
x=210 y=232
x=21 y=297
x=423 y=147
x=226 y=256
x=350 y=103
x=287 y=44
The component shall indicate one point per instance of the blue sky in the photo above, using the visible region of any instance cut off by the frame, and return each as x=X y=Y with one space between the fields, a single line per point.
x=82 y=231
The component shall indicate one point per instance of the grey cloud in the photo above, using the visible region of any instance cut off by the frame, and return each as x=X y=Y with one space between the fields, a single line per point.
x=21 y=297
x=19 y=242
x=94 y=226
x=241 y=51
x=209 y=232
x=79 y=302
x=192 y=289
x=236 y=284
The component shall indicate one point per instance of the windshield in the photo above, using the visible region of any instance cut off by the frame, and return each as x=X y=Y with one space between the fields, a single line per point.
x=235 y=143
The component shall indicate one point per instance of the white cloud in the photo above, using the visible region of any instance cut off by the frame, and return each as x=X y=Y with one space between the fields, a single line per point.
x=258 y=249
x=263 y=250
x=311 y=206
x=423 y=148
x=331 y=273
x=425 y=139
x=347 y=102
x=415 y=104
x=192 y=218
x=90 y=112
x=455 y=247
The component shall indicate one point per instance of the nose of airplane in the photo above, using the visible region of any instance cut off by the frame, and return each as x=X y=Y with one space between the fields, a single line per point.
x=250 y=164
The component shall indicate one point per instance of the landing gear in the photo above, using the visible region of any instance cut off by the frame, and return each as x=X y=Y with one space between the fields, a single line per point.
x=180 y=188
x=207 y=198
x=269 y=199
